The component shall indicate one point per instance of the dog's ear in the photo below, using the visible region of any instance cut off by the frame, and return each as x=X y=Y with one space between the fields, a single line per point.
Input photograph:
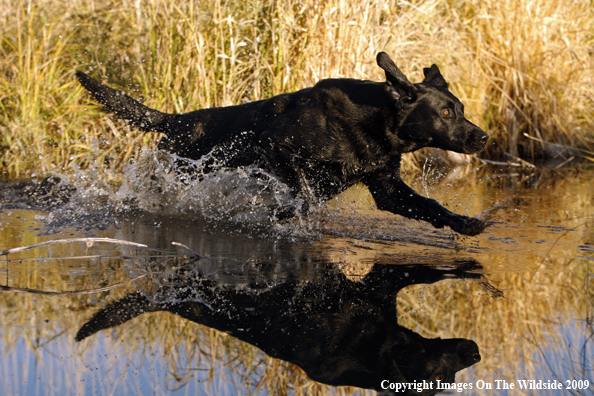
x=398 y=84
x=433 y=76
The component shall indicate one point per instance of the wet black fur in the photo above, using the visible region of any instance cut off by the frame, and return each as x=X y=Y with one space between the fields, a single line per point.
x=322 y=140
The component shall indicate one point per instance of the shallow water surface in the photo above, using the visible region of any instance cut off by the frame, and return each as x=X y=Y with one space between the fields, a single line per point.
x=141 y=294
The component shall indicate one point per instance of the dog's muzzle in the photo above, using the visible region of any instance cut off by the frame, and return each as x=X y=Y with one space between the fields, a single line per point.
x=477 y=140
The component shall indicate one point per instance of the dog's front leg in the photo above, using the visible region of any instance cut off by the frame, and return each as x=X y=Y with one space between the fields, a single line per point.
x=392 y=194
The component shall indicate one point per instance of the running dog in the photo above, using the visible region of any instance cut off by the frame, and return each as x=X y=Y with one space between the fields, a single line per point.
x=323 y=139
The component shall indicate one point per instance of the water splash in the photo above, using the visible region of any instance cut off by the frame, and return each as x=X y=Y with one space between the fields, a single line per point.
x=166 y=189
x=164 y=184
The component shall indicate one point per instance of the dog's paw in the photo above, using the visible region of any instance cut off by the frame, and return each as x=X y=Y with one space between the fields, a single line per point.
x=487 y=214
x=475 y=225
x=469 y=225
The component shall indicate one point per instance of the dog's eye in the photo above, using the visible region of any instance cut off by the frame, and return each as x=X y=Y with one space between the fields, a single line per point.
x=446 y=112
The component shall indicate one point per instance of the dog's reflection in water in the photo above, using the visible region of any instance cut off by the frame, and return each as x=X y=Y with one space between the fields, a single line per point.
x=338 y=331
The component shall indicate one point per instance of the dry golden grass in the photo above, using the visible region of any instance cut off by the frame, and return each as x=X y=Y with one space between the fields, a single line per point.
x=521 y=67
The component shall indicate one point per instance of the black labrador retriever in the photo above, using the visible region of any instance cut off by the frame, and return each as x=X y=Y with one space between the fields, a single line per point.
x=322 y=140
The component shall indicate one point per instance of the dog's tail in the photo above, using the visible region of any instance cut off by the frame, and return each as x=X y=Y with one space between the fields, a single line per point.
x=116 y=313
x=123 y=106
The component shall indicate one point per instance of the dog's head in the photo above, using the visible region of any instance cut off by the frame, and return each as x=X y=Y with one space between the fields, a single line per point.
x=429 y=114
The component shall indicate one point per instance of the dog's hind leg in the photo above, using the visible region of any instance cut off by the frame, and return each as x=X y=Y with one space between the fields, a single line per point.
x=123 y=106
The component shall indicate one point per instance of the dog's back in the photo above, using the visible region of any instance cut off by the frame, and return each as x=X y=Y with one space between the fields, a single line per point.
x=194 y=134
x=315 y=123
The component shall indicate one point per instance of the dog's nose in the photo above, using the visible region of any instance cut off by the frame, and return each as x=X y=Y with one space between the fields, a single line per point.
x=484 y=137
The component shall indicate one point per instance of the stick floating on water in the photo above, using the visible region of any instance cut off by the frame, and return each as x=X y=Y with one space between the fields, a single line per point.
x=89 y=242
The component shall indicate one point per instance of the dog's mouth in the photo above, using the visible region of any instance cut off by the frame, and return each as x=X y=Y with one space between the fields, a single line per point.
x=476 y=142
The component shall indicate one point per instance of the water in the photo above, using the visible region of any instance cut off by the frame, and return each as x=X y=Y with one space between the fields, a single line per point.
x=322 y=291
